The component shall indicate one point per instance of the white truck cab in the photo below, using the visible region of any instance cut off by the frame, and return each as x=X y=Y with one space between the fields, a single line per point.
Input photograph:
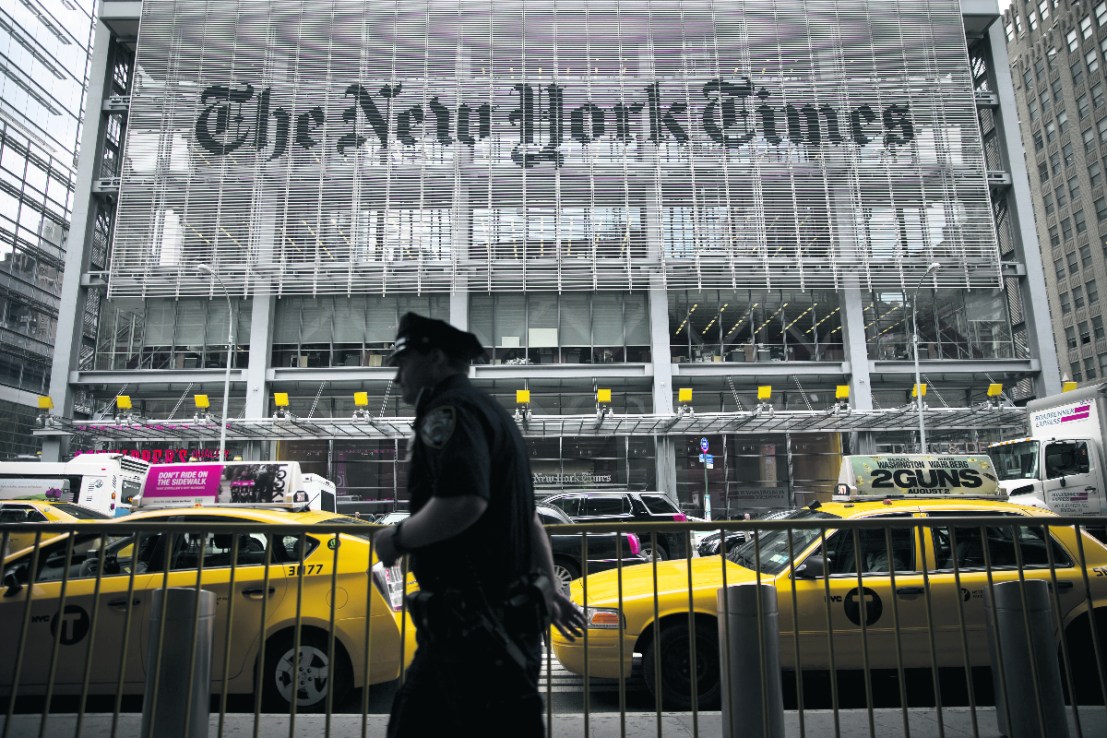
x=1060 y=465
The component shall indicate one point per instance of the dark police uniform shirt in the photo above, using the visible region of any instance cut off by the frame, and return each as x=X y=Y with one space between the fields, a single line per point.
x=467 y=444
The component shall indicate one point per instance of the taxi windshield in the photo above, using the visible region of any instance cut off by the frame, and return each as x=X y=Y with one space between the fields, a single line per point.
x=775 y=553
x=1015 y=460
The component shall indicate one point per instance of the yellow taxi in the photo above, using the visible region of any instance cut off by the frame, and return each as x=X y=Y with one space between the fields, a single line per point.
x=40 y=511
x=821 y=603
x=273 y=581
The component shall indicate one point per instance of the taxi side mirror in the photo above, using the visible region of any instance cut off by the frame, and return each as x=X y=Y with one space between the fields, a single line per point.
x=12 y=583
x=813 y=568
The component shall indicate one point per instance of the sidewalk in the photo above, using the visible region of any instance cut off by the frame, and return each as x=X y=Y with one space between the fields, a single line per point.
x=886 y=722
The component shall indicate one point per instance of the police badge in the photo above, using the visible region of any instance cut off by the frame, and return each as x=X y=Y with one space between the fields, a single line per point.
x=437 y=427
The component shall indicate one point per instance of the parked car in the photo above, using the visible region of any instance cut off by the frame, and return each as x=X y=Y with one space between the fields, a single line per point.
x=603 y=549
x=595 y=506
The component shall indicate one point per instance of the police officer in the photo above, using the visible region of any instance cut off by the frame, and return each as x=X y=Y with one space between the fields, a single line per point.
x=477 y=548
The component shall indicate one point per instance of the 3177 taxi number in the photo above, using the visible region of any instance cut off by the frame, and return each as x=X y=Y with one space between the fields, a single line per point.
x=306 y=569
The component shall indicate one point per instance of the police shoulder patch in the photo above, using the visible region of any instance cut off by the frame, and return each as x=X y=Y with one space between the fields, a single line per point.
x=438 y=426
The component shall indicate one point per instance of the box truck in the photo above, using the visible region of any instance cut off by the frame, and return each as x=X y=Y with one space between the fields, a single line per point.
x=1060 y=464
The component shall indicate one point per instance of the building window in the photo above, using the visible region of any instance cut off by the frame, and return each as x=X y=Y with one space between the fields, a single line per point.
x=1078 y=303
x=1083 y=104
x=1074 y=188
x=1097 y=327
x=1089 y=139
x=1086 y=27
x=1047 y=198
x=1095 y=174
x=1062 y=122
x=1097 y=94
x=1101 y=208
x=1028 y=78
x=1058 y=90
x=755 y=326
x=1074 y=263
x=1039 y=144
x=1010 y=30
x=1045 y=101
x=1018 y=23
x=1043 y=172
x=1059 y=193
x=1066 y=151
x=1101 y=127
x=1077 y=71
x=1070 y=337
x=1093 y=291
x=1043 y=8
x=1085 y=256
x=1072 y=40
x=1064 y=300
x=1054 y=238
x=1103 y=46
x=1078 y=219
x=1058 y=263
x=1093 y=61
x=1089 y=367
x=1082 y=329
x=1055 y=163
x=1100 y=13
x=1032 y=107
x=570 y=328
x=1050 y=131
x=1033 y=18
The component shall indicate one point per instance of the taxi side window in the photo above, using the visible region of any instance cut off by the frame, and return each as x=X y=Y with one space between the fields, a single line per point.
x=1005 y=546
x=84 y=559
x=1066 y=457
x=875 y=552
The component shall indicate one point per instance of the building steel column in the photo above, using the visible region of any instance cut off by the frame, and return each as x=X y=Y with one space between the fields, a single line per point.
x=67 y=347
x=857 y=354
x=262 y=308
x=1039 y=329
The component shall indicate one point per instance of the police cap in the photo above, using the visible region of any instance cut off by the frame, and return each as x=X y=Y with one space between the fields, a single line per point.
x=423 y=334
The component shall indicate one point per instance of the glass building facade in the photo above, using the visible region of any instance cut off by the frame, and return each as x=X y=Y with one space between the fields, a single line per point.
x=44 y=51
x=696 y=195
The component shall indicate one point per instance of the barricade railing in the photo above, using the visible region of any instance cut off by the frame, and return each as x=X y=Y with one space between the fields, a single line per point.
x=887 y=613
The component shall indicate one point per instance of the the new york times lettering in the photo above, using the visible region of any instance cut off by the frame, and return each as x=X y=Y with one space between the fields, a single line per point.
x=734 y=114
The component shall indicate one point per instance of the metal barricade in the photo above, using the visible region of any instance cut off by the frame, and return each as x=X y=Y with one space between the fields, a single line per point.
x=881 y=624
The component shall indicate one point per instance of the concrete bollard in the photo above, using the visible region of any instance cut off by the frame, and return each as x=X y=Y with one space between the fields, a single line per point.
x=753 y=703
x=1019 y=699
x=166 y=713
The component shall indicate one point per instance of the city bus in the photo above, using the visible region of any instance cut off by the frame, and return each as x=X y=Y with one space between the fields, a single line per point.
x=102 y=482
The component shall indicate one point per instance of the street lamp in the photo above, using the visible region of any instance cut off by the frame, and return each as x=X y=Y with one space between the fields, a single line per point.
x=934 y=266
x=205 y=269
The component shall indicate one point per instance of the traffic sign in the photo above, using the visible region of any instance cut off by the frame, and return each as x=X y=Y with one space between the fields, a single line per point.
x=709 y=458
x=704 y=446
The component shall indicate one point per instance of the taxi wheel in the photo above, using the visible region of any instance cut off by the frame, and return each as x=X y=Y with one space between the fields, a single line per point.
x=565 y=572
x=676 y=666
x=314 y=678
x=650 y=552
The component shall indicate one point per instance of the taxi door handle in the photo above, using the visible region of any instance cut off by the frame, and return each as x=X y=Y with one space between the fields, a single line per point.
x=257 y=592
x=121 y=604
x=909 y=591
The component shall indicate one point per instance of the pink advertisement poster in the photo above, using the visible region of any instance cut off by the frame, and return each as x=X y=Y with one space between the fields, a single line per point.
x=215 y=483
x=182 y=483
